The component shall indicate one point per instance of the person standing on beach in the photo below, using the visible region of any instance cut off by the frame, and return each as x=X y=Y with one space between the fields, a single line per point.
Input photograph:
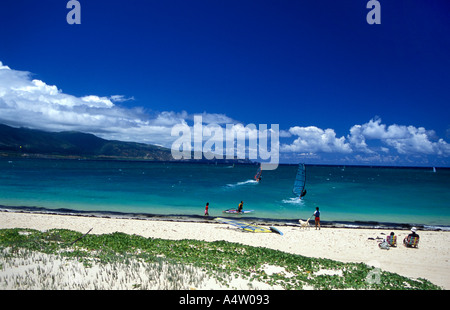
x=316 y=215
x=206 y=209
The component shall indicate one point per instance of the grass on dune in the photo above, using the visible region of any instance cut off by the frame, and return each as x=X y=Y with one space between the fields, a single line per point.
x=220 y=260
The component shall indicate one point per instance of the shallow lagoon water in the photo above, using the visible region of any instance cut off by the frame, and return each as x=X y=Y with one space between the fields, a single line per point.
x=343 y=194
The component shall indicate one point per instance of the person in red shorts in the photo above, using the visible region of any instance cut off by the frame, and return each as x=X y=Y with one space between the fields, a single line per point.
x=206 y=208
x=316 y=215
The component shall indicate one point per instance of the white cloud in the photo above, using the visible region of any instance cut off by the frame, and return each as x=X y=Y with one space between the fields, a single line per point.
x=33 y=103
x=120 y=98
x=3 y=67
x=214 y=118
x=357 y=139
x=313 y=139
x=403 y=139
x=97 y=102
x=372 y=142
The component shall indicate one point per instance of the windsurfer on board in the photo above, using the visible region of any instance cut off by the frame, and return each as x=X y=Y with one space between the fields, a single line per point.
x=303 y=193
x=258 y=175
x=241 y=205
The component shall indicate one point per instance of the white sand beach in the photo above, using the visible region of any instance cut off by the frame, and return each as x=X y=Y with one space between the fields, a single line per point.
x=429 y=261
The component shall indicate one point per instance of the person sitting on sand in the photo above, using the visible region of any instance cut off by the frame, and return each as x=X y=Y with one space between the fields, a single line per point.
x=392 y=239
x=240 y=207
x=412 y=235
x=316 y=215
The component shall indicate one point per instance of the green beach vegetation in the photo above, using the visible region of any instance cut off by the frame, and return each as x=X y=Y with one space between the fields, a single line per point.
x=181 y=264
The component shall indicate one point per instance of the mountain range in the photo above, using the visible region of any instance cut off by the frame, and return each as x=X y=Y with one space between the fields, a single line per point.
x=25 y=142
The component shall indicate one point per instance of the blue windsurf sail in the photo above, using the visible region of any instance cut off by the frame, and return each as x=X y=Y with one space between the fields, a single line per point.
x=243 y=225
x=300 y=181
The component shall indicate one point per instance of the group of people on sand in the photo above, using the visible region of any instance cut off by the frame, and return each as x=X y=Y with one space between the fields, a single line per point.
x=410 y=241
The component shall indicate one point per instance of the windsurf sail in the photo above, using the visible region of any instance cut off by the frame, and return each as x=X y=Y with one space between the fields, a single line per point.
x=244 y=226
x=235 y=211
x=258 y=174
x=300 y=181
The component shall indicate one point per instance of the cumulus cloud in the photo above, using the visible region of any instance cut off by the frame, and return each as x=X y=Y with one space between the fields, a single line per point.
x=403 y=139
x=312 y=139
x=32 y=103
x=371 y=142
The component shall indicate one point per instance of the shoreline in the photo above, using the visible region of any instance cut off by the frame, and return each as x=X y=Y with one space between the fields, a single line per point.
x=430 y=261
x=357 y=224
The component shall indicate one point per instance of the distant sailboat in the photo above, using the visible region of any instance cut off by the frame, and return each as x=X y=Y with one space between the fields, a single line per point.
x=434 y=169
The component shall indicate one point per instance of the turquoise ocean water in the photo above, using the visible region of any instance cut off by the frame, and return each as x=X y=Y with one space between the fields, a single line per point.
x=343 y=194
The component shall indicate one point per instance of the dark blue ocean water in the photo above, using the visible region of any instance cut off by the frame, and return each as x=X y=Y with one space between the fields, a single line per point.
x=394 y=195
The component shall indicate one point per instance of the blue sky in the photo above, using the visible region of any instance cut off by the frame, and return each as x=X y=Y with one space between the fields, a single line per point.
x=341 y=90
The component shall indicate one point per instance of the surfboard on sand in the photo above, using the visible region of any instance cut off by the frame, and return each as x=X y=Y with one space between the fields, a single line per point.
x=275 y=230
x=248 y=227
